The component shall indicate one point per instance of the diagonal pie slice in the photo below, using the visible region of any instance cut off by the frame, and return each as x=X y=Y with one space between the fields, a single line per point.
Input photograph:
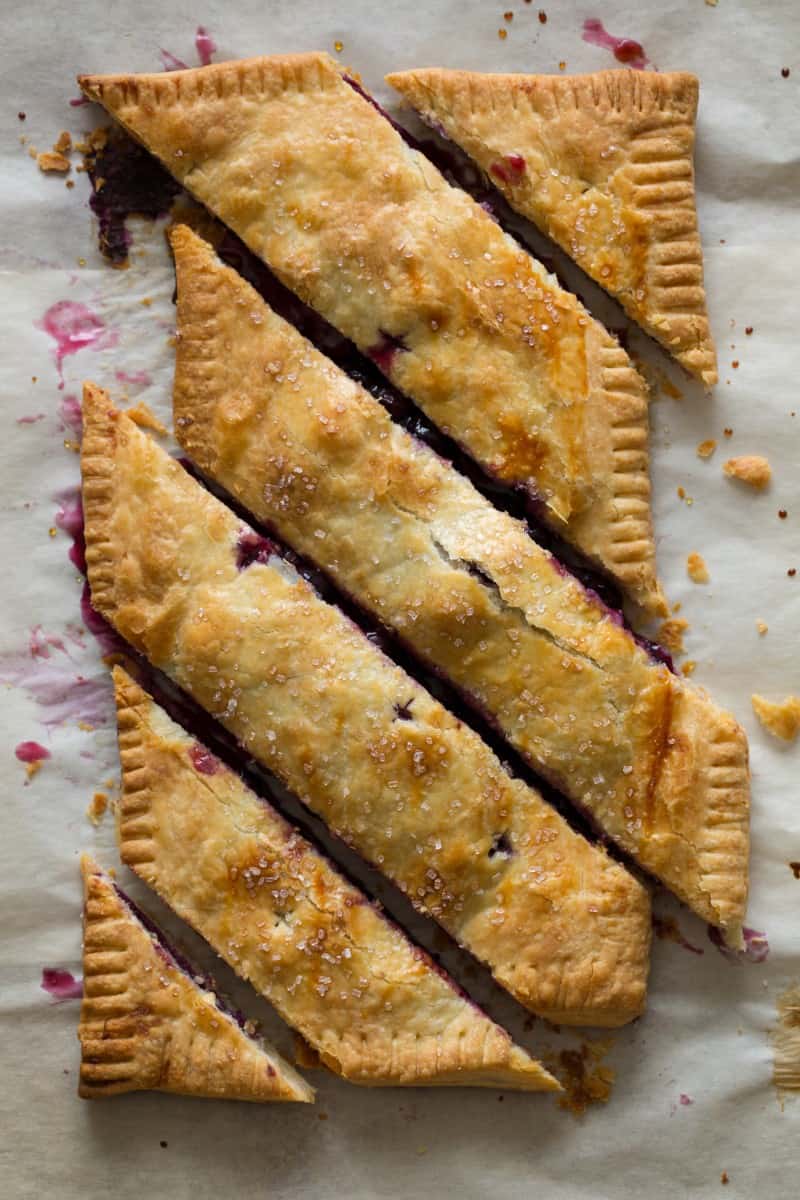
x=145 y=1024
x=296 y=159
x=564 y=928
x=376 y=1009
x=603 y=164
x=313 y=455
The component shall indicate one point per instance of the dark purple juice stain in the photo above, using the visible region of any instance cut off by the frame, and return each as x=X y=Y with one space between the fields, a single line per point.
x=69 y=518
x=61 y=985
x=624 y=49
x=126 y=181
x=203 y=760
x=756 y=946
x=134 y=378
x=171 y=63
x=70 y=414
x=31 y=752
x=74 y=327
x=383 y=352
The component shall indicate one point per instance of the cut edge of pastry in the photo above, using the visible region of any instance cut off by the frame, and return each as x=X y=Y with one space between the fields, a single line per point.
x=483 y=1055
x=660 y=165
x=146 y=1025
x=614 y=531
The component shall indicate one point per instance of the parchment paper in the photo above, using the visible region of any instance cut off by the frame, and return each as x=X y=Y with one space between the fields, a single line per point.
x=705 y=1034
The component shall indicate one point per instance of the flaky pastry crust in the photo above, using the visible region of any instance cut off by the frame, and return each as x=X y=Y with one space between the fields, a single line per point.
x=561 y=925
x=374 y=1007
x=603 y=164
x=145 y=1025
x=314 y=456
x=366 y=230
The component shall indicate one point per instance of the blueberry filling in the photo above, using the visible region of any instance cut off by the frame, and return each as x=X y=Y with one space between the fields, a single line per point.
x=383 y=352
x=501 y=845
x=252 y=548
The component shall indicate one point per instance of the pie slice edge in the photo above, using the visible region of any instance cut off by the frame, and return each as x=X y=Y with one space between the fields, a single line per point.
x=603 y=164
x=145 y=1024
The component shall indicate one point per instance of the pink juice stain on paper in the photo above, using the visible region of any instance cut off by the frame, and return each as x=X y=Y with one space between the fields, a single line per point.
x=32 y=419
x=70 y=414
x=74 y=327
x=205 y=46
x=170 y=63
x=61 y=985
x=135 y=378
x=624 y=49
x=69 y=518
x=31 y=752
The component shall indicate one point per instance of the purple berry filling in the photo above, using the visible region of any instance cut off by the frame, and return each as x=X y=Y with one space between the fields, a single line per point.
x=509 y=169
x=383 y=352
x=252 y=548
x=203 y=760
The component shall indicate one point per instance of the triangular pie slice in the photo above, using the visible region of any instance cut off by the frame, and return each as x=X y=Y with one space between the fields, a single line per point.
x=603 y=164
x=375 y=1008
x=146 y=1025
x=316 y=458
x=293 y=156
x=305 y=692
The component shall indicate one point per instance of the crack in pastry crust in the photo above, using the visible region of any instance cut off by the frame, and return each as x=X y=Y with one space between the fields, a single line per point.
x=145 y=1025
x=375 y=1008
x=604 y=166
x=561 y=925
x=365 y=229
x=314 y=456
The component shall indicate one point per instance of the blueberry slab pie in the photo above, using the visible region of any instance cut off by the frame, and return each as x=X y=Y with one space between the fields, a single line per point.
x=145 y=1023
x=294 y=157
x=603 y=164
x=656 y=764
x=375 y=1008
x=564 y=928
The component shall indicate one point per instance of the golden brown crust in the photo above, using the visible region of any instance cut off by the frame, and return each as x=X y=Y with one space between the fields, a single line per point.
x=145 y=1025
x=421 y=278
x=317 y=458
x=374 y=1007
x=603 y=164
x=564 y=928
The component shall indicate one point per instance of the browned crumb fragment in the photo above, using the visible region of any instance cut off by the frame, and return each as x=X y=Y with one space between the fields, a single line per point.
x=785 y=1038
x=141 y=414
x=728 y=432
x=762 y=627
x=696 y=568
x=63 y=143
x=97 y=808
x=706 y=448
x=33 y=768
x=724 y=1177
x=781 y=718
x=689 y=667
x=785 y=72
x=749 y=330
x=502 y=34
x=752 y=469
x=670 y=634
x=712 y=3
x=584 y=1078
x=794 y=867
x=50 y=161
x=542 y=15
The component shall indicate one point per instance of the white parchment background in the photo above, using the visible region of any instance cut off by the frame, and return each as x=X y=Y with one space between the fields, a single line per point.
x=706 y=1030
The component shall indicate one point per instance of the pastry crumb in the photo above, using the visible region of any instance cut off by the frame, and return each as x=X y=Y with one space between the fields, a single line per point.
x=689 y=667
x=63 y=144
x=584 y=1077
x=762 y=627
x=781 y=718
x=97 y=808
x=50 y=161
x=696 y=568
x=706 y=449
x=670 y=634
x=724 y=1177
x=33 y=768
x=712 y=3
x=141 y=414
x=752 y=469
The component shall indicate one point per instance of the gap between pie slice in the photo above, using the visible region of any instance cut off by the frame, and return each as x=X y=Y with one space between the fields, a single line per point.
x=564 y=928
x=145 y=1024
x=295 y=157
x=603 y=164
x=376 y=1008
x=309 y=452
